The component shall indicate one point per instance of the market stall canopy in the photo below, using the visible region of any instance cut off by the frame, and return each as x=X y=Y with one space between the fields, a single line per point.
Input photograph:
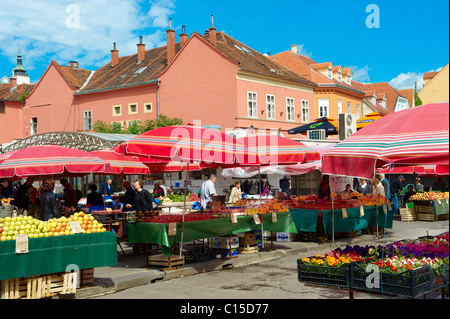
x=161 y=166
x=122 y=164
x=328 y=124
x=429 y=170
x=416 y=136
x=277 y=150
x=190 y=144
x=51 y=160
x=368 y=119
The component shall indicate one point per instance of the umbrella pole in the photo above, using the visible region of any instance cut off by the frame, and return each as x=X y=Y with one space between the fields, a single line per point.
x=184 y=209
x=332 y=210
x=260 y=207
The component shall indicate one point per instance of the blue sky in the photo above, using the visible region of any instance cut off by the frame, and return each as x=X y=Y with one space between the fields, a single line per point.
x=412 y=38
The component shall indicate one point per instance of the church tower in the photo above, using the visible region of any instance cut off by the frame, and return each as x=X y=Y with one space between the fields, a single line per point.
x=19 y=71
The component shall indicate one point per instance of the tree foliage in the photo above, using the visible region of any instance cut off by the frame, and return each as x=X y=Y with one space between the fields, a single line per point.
x=135 y=127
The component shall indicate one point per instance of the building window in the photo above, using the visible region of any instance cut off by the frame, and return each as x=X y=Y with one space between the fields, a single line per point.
x=290 y=109
x=357 y=111
x=117 y=110
x=339 y=106
x=305 y=111
x=33 y=125
x=323 y=107
x=132 y=108
x=349 y=107
x=252 y=107
x=270 y=106
x=339 y=76
x=349 y=80
x=87 y=120
x=330 y=73
x=148 y=107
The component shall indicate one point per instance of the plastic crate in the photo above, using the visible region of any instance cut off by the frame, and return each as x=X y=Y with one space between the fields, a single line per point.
x=321 y=275
x=439 y=277
x=409 y=283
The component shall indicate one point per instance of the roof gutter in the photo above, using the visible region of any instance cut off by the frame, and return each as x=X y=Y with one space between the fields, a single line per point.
x=339 y=85
x=117 y=87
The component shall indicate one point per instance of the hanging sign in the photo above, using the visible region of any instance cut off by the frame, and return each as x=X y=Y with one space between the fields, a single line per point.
x=172 y=229
x=361 y=211
x=21 y=243
x=256 y=219
x=76 y=227
x=274 y=217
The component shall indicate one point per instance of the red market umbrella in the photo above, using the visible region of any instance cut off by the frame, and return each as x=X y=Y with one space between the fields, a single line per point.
x=416 y=136
x=51 y=160
x=160 y=166
x=190 y=144
x=122 y=164
x=277 y=150
x=432 y=170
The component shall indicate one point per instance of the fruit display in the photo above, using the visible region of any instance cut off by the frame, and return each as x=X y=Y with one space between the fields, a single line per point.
x=430 y=196
x=372 y=200
x=268 y=207
x=177 y=218
x=35 y=228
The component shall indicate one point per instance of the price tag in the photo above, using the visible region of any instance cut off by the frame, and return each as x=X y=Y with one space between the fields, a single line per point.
x=446 y=200
x=21 y=243
x=439 y=201
x=76 y=227
x=233 y=218
x=344 y=213
x=256 y=219
x=361 y=211
x=172 y=229
x=274 y=217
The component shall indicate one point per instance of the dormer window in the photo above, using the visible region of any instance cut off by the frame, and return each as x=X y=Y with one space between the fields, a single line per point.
x=330 y=73
x=349 y=80
x=339 y=76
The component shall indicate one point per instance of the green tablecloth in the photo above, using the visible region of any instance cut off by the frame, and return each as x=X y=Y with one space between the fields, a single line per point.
x=306 y=219
x=158 y=233
x=58 y=254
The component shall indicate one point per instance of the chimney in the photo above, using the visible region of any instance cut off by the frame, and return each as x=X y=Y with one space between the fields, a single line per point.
x=212 y=33
x=114 y=55
x=170 y=43
x=140 y=50
x=183 y=37
x=294 y=48
x=12 y=82
x=73 y=64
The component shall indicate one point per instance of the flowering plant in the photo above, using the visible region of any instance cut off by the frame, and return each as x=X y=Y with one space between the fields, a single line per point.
x=330 y=261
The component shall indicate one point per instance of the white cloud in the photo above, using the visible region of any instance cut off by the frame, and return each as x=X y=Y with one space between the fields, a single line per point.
x=407 y=80
x=79 y=30
x=360 y=74
x=302 y=51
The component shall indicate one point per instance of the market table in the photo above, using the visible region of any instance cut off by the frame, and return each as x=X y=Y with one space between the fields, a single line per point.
x=157 y=233
x=306 y=219
x=49 y=255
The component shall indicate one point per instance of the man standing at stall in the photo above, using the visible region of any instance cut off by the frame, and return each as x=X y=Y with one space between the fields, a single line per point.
x=70 y=197
x=208 y=191
x=396 y=187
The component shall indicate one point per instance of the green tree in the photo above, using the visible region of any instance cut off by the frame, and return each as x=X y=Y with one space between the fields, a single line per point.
x=417 y=99
x=135 y=127
x=101 y=127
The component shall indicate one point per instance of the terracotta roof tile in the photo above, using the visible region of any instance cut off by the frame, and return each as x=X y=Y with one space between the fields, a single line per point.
x=15 y=95
x=409 y=94
x=74 y=76
x=391 y=93
x=429 y=75
x=319 y=66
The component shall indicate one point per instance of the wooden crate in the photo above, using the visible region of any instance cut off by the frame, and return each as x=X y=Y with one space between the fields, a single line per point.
x=443 y=217
x=427 y=217
x=164 y=261
x=37 y=287
x=248 y=239
x=423 y=209
x=87 y=276
x=407 y=214
x=248 y=249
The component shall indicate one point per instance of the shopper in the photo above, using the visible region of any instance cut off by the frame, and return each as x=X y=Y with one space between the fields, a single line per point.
x=363 y=187
x=208 y=191
x=70 y=196
x=396 y=188
x=377 y=187
x=20 y=197
x=417 y=185
x=48 y=205
x=386 y=186
x=324 y=191
x=32 y=202
x=236 y=193
x=106 y=188
x=128 y=198
x=162 y=184
x=143 y=200
x=94 y=198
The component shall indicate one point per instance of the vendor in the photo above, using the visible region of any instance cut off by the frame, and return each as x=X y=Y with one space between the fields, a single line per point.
x=348 y=189
x=6 y=189
x=417 y=185
x=409 y=193
x=363 y=187
x=20 y=198
x=70 y=196
x=236 y=193
x=324 y=191
x=94 y=198
x=158 y=190
x=32 y=203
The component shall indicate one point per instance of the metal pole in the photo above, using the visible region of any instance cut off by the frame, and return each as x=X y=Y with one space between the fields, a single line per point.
x=184 y=209
x=332 y=209
x=260 y=207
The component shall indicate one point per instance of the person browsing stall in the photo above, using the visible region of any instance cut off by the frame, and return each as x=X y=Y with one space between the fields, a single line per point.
x=48 y=204
x=94 y=198
x=236 y=193
x=128 y=198
x=208 y=191
x=106 y=188
x=70 y=197
x=143 y=200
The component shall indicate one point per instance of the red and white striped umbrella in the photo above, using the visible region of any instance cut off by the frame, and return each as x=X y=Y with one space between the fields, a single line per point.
x=122 y=164
x=416 y=136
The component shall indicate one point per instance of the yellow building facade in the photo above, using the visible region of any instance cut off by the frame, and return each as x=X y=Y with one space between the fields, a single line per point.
x=436 y=86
